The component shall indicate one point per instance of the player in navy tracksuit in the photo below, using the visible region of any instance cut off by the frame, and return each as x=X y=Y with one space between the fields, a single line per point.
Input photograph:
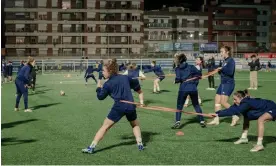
x=100 y=70
x=211 y=67
x=159 y=73
x=4 y=71
x=10 y=69
x=21 y=82
x=199 y=64
x=227 y=85
x=33 y=78
x=252 y=109
x=89 y=74
x=183 y=72
x=134 y=73
x=118 y=87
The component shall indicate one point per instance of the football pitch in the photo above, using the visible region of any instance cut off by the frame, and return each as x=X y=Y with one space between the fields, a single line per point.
x=60 y=126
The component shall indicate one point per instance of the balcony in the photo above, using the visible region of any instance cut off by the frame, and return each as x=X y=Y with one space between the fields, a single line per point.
x=234 y=17
x=246 y=49
x=159 y=25
x=159 y=37
x=18 y=18
x=235 y=27
x=192 y=26
x=232 y=38
x=126 y=7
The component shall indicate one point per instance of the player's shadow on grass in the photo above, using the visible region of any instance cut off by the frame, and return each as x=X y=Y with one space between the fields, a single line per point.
x=162 y=91
x=40 y=92
x=189 y=121
x=146 y=137
x=40 y=86
x=150 y=101
x=44 y=106
x=206 y=100
x=14 y=141
x=251 y=138
x=12 y=124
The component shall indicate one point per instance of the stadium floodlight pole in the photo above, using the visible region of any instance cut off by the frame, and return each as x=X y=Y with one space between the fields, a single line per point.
x=107 y=45
x=217 y=43
x=236 y=48
x=128 y=46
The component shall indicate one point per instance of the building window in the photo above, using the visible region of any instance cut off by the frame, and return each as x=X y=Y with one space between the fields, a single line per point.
x=264 y=23
x=264 y=12
x=258 y=33
x=264 y=34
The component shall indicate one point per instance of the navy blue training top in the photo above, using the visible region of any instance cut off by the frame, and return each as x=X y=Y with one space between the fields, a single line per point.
x=157 y=71
x=24 y=74
x=89 y=70
x=248 y=104
x=118 y=87
x=133 y=73
x=227 y=72
x=185 y=71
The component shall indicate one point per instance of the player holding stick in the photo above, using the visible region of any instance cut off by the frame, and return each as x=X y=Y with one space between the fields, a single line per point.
x=119 y=88
x=199 y=62
x=183 y=72
x=227 y=85
x=252 y=109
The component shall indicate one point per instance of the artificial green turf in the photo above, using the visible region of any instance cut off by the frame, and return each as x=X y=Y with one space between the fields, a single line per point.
x=61 y=126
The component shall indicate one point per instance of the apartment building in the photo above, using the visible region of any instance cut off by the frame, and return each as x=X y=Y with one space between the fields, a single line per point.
x=175 y=29
x=74 y=27
x=234 y=27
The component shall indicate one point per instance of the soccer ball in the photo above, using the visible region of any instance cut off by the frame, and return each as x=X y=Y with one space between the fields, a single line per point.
x=62 y=93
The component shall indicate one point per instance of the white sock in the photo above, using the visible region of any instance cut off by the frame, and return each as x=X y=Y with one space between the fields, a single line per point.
x=158 y=88
x=142 y=102
x=260 y=141
x=199 y=100
x=154 y=89
x=139 y=141
x=217 y=107
x=187 y=101
x=93 y=144
x=244 y=134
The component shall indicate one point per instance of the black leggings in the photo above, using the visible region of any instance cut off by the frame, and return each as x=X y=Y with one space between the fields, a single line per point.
x=33 y=82
x=211 y=81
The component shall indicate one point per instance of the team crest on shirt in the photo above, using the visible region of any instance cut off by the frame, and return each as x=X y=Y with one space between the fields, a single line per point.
x=225 y=64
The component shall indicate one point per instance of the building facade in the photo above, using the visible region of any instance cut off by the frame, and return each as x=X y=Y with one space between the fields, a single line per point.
x=74 y=27
x=263 y=22
x=273 y=28
x=174 y=30
x=234 y=27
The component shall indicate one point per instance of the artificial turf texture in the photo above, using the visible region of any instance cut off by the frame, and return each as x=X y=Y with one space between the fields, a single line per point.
x=61 y=126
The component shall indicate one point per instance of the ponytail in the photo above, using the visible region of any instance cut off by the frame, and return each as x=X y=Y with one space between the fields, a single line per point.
x=30 y=60
x=241 y=93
